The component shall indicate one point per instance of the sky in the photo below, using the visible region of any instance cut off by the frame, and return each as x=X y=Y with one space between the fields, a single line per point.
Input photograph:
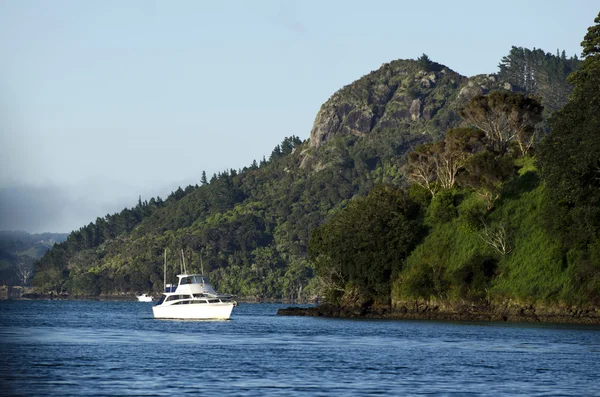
x=103 y=101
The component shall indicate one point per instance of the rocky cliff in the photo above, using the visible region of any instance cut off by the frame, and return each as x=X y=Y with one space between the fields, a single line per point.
x=401 y=96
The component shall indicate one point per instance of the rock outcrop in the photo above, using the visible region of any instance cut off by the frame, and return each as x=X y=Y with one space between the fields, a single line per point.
x=399 y=96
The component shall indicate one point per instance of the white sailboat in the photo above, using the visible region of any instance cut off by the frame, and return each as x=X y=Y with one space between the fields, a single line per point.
x=193 y=299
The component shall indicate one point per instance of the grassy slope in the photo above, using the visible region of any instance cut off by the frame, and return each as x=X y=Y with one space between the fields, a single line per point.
x=449 y=264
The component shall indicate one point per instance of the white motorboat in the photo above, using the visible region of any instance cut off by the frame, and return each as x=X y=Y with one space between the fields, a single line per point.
x=144 y=298
x=193 y=299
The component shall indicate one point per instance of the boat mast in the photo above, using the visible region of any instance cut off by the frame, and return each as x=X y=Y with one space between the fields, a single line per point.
x=165 y=272
x=183 y=262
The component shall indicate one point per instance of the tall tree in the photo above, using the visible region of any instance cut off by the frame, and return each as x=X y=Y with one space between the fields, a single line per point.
x=425 y=62
x=569 y=157
x=421 y=167
x=504 y=117
x=435 y=166
x=366 y=243
x=535 y=72
x=591 y=41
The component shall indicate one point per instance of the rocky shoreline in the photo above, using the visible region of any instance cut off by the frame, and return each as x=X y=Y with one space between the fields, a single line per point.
x=455 y=312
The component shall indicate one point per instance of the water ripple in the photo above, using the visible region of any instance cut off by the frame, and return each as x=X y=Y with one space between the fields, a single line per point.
x=74 y=348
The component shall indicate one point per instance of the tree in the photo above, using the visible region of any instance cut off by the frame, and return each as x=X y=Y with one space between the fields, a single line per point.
x=497 y=237
x=535 y=72
x=23 y=271
x=435 y=165
x=504 y=117
x=569 y=157
x=486 y=173
x=275 y=154
x=203 y=179
x=591 y=41
x=421 y=167
x=424 y=62
x=366 y=243
x=569 y=161
x=458 y=146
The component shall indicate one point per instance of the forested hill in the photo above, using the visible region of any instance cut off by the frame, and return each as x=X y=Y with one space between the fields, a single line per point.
x=18 y=252
x=251 y=227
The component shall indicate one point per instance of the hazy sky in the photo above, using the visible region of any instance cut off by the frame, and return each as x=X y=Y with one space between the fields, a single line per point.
x=103 y=101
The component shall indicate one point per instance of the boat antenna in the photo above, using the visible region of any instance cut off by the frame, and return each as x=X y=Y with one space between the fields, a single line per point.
x=165 y=271
x=201 y=266
x=183 y=262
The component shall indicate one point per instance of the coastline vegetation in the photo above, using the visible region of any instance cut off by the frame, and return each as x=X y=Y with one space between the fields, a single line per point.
x=506 y=219
x=498 y=201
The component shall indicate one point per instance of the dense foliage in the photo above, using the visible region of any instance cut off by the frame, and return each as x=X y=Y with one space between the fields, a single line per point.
x=503 y=229
x=570 y=163
x=540 y=74
x=250 y=229
x=364 y=244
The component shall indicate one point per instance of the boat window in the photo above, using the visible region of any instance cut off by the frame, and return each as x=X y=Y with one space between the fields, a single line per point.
x=199 y=295
x=199 y=301
x=175 y=297
x=186 y=280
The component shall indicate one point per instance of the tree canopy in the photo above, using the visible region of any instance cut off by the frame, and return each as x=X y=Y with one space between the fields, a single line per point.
x=505 y=118
x=365 y=244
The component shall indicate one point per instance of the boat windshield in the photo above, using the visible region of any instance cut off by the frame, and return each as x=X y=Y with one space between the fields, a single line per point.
x=192 y=280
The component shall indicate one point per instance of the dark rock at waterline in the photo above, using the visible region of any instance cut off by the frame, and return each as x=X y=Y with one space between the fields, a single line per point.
x=454 y=312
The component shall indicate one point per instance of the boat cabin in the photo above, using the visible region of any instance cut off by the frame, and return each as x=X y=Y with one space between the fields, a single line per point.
x=191 y=284
x=192 y=288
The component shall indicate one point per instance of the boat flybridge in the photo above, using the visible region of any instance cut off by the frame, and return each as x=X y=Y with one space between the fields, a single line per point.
x=193 y=298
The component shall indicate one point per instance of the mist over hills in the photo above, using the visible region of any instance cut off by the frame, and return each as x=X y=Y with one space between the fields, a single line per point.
x=18 y=252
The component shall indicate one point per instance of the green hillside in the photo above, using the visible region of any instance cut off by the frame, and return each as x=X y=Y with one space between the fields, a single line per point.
x=509 y=220
x=252 y=227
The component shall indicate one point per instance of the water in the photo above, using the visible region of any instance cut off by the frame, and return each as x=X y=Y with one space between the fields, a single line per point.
x=62 y=348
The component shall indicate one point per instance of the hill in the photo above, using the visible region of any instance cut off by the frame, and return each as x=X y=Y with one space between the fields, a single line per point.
x=251 y=227
x=19 y=251
x=495 y=225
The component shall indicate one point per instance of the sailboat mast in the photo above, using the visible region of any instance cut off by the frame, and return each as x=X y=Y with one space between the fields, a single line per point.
x=183 y=262
x=165 y=272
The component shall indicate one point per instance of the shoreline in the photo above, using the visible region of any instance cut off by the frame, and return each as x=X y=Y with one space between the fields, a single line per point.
x=132 y=298
x=456 y=312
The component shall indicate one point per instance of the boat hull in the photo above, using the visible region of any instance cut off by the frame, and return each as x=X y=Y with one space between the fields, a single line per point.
x=207 y=311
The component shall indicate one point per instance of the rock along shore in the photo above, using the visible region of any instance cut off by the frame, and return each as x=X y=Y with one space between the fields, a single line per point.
x=455 y=312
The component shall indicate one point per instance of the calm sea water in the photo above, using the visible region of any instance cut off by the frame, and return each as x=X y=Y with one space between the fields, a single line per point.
x=63 y=348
